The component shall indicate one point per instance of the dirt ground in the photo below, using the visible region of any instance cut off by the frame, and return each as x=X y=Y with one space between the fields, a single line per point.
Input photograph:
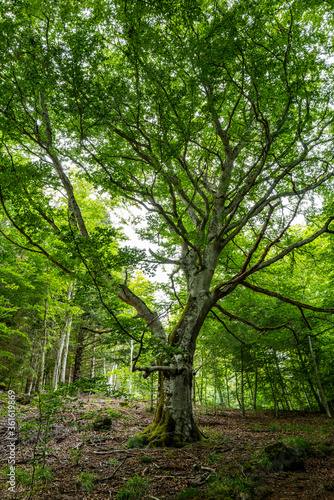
x=231 y=450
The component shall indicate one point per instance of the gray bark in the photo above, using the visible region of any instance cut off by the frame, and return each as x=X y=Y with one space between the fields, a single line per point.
x=44 y=344
x=319 y=384
x=60 y=363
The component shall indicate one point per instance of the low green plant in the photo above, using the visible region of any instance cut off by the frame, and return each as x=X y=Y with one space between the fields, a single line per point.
x=21 y=475
x=170 y=454
x=257 y=428
x=145 y=459
x=134 y=489
x=137 y=442
x=76 y=454
x=87 y=480
x=188 y=494
x=43 y=474
x=290 y=427
x=213 y=458
x=114 y=414
x=274 y=427
x=114 y=461
x=300 y=444
x=307 y=428
x=227 y=488
x=264 y=462
x=37 y=475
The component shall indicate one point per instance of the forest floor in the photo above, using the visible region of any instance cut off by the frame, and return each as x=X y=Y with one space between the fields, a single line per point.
x=229 y=464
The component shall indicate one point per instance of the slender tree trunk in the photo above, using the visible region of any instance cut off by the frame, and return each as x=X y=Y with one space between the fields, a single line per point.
x=32 y=376
x=44 y=345
x=227 y=388
x=152 y=391
x=65 y=351
x=237 y=389
x=255 y=380
x=242 y=400
x=67 y=329
x=217 y=381
x=273 y=391
x=320 y=388
x=282 y=383
x=78 y=355
x=92 y=361
x=70 y=374
x=308 y=379
x=306 y=397
x=249 y=384
x=131 y=363
x=58 y=360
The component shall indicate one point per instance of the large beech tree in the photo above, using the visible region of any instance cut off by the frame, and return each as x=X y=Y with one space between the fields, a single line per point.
x=215 y=117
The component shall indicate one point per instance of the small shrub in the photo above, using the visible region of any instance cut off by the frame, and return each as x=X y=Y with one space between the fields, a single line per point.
x=21 y=475
x=188 y=494
x=87 y=480
x=43 y=474
x=134 y=489
x=274 y=427
x=226 y=488
x=213 y=458
x=307 y=428
x=290 y=427
x=137 y=442
x=257 y=428
x=101 y=423
x=114 y=414
x=114 y=461
x=145 y=459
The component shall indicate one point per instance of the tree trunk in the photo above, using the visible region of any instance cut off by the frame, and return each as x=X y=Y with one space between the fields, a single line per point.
x=255 y=380
x=78 y=356
x=60 y=364
x=44 y=346
x=319 y=384
x=308 y=379
x=65 y=351
x=242 y=399
x=92 y=361
x=131 y=362
x=173 y=423
x=227 y=388
x=70 y=375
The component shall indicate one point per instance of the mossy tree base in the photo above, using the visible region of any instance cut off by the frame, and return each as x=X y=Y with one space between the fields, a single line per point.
x=162 y=434
x=173 y=424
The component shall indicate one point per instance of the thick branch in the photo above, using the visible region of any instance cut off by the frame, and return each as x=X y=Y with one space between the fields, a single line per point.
x=151 y=318
x=278 y=296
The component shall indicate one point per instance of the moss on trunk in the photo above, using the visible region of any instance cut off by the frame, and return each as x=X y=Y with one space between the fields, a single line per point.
x=172 y=426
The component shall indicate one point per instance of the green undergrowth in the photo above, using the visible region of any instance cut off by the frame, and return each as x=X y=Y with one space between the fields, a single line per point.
x=303 y=448
x=138 y=441
x=86 y=480
x=145 y=459
x=227 y=488
x=31 y=476
x=134 y=489
x=189 y=494
x=220 y=488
